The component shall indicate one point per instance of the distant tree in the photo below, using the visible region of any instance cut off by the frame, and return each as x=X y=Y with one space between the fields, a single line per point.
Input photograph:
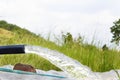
x=79 y=40
x=68 y=39
x=3 y=22
x=115 y=30
x=104 y=47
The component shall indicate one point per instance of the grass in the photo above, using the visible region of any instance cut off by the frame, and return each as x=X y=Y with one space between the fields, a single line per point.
x=87 y=54
x=96 y=59
x=4 y=32
x=31 y=59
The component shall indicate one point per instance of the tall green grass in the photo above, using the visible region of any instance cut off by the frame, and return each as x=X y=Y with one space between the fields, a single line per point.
x=87 y=54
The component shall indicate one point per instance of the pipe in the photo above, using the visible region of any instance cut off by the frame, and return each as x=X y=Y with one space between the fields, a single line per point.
x=12 y=49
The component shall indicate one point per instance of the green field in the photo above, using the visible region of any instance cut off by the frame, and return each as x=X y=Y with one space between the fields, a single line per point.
x=87 y=54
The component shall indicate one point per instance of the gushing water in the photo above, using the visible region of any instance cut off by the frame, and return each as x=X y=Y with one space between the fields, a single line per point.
x=68 y=65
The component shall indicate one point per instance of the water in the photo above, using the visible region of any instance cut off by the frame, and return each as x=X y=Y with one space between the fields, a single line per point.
x=72 y=67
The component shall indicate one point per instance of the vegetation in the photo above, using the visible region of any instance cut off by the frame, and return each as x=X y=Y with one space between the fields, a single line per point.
x=88 y=54
x=115 y=30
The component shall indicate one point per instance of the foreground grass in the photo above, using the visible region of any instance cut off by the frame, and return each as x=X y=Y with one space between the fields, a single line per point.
x=87 y=54
x=32 y=59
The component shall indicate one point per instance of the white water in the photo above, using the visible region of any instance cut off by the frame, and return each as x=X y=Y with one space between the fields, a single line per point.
x=72 y=67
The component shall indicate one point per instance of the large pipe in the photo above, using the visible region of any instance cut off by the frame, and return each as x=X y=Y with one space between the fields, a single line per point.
x=12 y=49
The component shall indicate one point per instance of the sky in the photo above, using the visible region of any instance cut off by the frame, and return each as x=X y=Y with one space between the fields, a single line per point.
x=91 y=19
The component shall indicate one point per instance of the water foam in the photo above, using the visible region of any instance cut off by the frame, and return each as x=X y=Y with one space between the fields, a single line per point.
x=72 y=67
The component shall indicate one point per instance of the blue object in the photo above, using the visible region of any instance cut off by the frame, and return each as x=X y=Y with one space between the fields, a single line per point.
x=28 y=73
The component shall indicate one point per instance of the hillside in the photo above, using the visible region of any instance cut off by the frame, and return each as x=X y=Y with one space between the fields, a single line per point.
x=5 y=33
x=21 y=35
x=87 y=54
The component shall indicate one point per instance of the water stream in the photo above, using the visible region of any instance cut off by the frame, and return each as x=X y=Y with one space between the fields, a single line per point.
x=72 y=67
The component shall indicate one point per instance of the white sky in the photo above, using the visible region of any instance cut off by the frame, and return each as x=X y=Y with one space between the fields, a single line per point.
x=90 y=18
